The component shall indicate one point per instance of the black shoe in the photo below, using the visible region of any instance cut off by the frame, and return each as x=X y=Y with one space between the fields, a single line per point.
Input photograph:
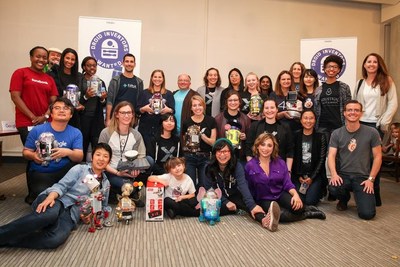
x=315 y=215
x=171 y=213
x=341 y=206
x=331 y=198
x=2 y=197
x=29 y=199
x=139 y=203
x=311 y=208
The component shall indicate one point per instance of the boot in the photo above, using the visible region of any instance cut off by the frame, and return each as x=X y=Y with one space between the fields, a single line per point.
x=287 y=216
x=312 y=212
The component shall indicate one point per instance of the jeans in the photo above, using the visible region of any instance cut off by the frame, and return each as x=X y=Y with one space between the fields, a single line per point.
x=45 y=230
x=185 y=207
x=196 y=168
x=313 y=194
x=365 y=202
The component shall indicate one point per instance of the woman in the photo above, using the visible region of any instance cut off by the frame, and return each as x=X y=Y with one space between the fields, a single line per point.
x=270 y=124
x=93 y=101
x=153 y=102
x=286 y=97
x=55 y=211
x=297 y=71
x=233 y=124
x=269 y=180
x=31 y=98
x=225 y=173
x=309 y=85
x=211 y=92
x=164 y=146
x=235 y=83
x=65 y=74
x=122 y=138
x=377 y=94
x=251 y=90
x=308 y=172
x=198 y=135
x=266 y=85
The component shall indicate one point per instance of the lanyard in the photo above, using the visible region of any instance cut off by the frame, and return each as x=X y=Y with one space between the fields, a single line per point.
x=122 y=144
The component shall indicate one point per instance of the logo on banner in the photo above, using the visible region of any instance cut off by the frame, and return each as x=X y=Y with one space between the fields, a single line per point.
x=109 y=48
x=317 y=62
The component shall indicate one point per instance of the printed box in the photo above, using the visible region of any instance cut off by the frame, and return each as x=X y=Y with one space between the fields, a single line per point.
x=154 y=202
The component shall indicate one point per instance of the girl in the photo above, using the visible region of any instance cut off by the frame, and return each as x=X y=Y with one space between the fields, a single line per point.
x=236 y=83
x=211 y=92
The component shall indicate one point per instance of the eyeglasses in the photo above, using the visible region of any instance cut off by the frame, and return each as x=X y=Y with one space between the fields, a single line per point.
x=125 y=113
x=233 y=100
x=223 y=151
x=334 y=67
x=58 y=108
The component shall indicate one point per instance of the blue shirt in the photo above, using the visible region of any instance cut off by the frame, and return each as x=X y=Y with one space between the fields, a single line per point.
x=179 y=98
x=70 y=138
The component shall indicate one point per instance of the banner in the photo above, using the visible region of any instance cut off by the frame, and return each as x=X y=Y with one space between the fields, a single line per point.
x=108 y=40
x=315 y=51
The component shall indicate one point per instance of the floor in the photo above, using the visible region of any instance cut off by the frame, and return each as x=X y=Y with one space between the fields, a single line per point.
x=341 y=240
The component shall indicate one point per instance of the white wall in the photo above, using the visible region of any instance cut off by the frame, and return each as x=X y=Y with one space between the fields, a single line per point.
x=187 y=35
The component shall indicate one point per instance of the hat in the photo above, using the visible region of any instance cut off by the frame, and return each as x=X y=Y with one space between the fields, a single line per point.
x=221 y=140
x=53 y=49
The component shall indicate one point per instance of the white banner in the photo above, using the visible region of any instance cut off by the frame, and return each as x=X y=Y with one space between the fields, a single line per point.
x=108 y=40
x=314 y=51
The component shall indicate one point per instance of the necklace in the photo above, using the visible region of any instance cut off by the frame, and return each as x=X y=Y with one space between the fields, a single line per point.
x=122 y=144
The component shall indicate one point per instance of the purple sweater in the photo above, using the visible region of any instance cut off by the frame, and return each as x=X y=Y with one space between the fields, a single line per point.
x=271 y=187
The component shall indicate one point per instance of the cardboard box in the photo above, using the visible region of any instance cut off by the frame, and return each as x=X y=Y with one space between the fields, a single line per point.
x=154 y=202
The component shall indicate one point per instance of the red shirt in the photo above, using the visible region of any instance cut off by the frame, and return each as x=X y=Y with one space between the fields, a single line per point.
x=36 y=89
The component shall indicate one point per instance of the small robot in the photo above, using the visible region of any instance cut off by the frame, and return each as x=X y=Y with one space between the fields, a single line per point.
x=210 y=204
x=126 y=205
x=45 y=145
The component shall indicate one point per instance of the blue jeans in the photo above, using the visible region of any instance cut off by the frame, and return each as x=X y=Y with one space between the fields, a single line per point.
x=196 y=168
x=45 y=230
x=313 y=194
x=365 y=202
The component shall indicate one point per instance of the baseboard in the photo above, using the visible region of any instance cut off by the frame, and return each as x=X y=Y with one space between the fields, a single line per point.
x=10 y=159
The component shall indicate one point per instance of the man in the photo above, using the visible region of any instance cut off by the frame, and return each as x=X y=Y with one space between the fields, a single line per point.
x=182 y=100
x=53 y=57
x=44 y=173
x=350 y=151
x=124 y=87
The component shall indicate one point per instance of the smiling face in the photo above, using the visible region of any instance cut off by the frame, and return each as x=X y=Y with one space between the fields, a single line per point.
x=309 y=80
x=54 y=57
x=234 y=78
x=285 y=81
x=212 y=78
x=296 y=71
x=100 y=160
x=233 y=103
x=90 y=67
x=251 y=82
x=371 y=65
x=129 y=64
x=124 y=115
x=353 y=112
x=69 y=60
x=265 y=84
x=157 y=79
x=265 y=148
x=331 y=69
x=60 y=112
x=270 y=110
x=38 y=59
x=169 y=124
x=197 y=107
x=308 y=120
x=223 y=155
x=177 y=171
x=183 y=81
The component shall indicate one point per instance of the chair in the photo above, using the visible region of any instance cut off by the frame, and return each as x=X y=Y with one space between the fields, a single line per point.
x=395 y=159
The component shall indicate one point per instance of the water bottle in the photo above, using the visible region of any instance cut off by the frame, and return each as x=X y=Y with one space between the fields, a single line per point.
x=93 y=84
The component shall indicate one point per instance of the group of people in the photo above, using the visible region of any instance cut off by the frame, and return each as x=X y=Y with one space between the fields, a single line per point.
x=266 y=149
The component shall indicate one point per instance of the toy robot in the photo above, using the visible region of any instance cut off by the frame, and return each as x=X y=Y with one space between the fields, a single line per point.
x=126 y=205
x=210 y=204
x=45 y=145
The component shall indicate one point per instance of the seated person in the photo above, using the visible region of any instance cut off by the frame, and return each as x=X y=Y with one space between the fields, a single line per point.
x=122 y=138
x=42 y=173
x=226 y=173
x=308 y=172
x=180 y=191
x=55 y=213
x=164 y=146
x=392 y=144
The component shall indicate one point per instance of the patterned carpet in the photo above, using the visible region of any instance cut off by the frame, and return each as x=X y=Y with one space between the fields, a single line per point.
x=341 y=240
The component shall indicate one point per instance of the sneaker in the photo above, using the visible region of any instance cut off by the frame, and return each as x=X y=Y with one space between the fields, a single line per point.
x=341 y=206
x=271 y=220
x=29 y=199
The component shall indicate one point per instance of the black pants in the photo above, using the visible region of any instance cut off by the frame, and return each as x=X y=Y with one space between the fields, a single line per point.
x=185 y=207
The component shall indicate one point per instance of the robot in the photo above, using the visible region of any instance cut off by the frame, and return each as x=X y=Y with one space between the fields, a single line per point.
x=210 y=204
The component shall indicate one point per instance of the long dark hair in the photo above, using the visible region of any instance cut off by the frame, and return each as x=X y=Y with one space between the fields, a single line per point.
x=213 y=170
x=74 y=69
x=241 y=84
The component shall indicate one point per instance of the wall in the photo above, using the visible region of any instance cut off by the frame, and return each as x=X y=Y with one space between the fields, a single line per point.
x=187 y=36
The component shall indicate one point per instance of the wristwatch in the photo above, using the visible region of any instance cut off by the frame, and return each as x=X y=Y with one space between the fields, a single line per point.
x=46 y=116
x=372 y=179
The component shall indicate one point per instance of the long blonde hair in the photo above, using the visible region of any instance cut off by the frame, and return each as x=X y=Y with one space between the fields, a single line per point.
x=114 y=123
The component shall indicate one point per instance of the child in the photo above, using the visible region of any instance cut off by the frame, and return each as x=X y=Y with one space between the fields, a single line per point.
x=180 y=190
x=392 y=144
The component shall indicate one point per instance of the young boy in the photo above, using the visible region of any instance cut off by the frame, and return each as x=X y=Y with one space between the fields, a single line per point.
x=179 y=189
x=392 y=144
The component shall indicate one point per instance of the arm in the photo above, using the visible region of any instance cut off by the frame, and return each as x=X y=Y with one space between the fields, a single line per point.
x=49 y=201
x=30 y=154
x=336 y=180
x=391 y=108
x=20 y=104
x=296 y=201
x=157 y=179
x=289 y=164
x=321 y=157
x=376 y=165
x=108 y=114
x=75 y=155
x=210 y=140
